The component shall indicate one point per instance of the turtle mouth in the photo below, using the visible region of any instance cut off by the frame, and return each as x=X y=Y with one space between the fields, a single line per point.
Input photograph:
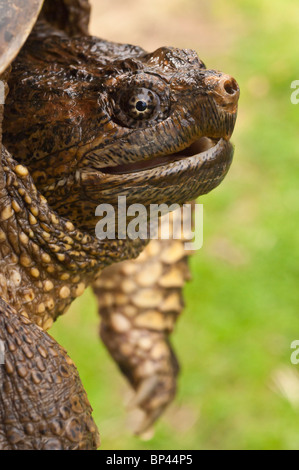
x=178 y=177
x=201 y=147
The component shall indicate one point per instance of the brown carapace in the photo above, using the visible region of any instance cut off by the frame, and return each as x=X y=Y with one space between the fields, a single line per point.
x=86 y=121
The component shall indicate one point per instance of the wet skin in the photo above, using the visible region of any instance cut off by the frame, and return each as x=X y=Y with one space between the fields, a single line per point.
x=87 y=121
x=95 y=120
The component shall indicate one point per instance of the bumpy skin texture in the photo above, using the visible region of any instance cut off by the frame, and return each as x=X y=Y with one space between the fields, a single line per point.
x=32 y=417
x=71 y=108
x=78 y=137
x=139 y=303
x=44 y=263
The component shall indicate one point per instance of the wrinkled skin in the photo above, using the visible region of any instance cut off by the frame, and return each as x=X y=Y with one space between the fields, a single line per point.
x=86 y=121
x=97 y=145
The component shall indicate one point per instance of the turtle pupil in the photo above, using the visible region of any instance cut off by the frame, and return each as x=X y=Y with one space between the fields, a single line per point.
x=141 y=106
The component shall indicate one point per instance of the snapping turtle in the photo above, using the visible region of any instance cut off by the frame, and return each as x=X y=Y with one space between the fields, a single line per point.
x=86 y=121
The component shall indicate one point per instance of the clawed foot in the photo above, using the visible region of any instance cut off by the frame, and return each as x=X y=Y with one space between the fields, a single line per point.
x=152 y=396
x=147 y=360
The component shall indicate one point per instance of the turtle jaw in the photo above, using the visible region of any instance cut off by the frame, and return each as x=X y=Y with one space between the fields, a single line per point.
x=173 y=178
x=198 y=147
x=185 y=177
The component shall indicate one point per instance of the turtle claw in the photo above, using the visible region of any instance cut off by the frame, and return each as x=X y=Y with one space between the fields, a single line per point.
x=153 y=395
x=152 y=373
x=141 y=422
x=145 y=425
x=144 y=391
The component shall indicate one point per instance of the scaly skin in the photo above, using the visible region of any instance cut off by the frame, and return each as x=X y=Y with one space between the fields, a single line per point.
x=43 y=405
x=69 y=118
x=44 y=263
x=139 y=303
x=76 y=139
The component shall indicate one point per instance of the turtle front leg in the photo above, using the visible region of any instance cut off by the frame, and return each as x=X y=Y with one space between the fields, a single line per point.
x=139 y=302
x=42 y=402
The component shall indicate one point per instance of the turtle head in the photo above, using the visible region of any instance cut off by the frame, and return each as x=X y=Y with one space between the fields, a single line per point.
x=95 y=120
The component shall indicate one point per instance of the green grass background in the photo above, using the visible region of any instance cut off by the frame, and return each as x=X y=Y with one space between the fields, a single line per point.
x=238 y=388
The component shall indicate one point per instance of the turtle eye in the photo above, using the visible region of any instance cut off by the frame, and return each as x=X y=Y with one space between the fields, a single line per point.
x=142 y=104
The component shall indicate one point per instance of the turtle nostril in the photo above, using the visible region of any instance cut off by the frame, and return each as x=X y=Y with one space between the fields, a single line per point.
x=231 y=86
x=224 y=89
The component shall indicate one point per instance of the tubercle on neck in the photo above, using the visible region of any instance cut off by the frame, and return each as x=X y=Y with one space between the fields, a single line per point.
x=54 y=235
x=45 y=262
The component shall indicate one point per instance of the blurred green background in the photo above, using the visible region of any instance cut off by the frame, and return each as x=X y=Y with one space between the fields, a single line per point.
x=238 y=388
